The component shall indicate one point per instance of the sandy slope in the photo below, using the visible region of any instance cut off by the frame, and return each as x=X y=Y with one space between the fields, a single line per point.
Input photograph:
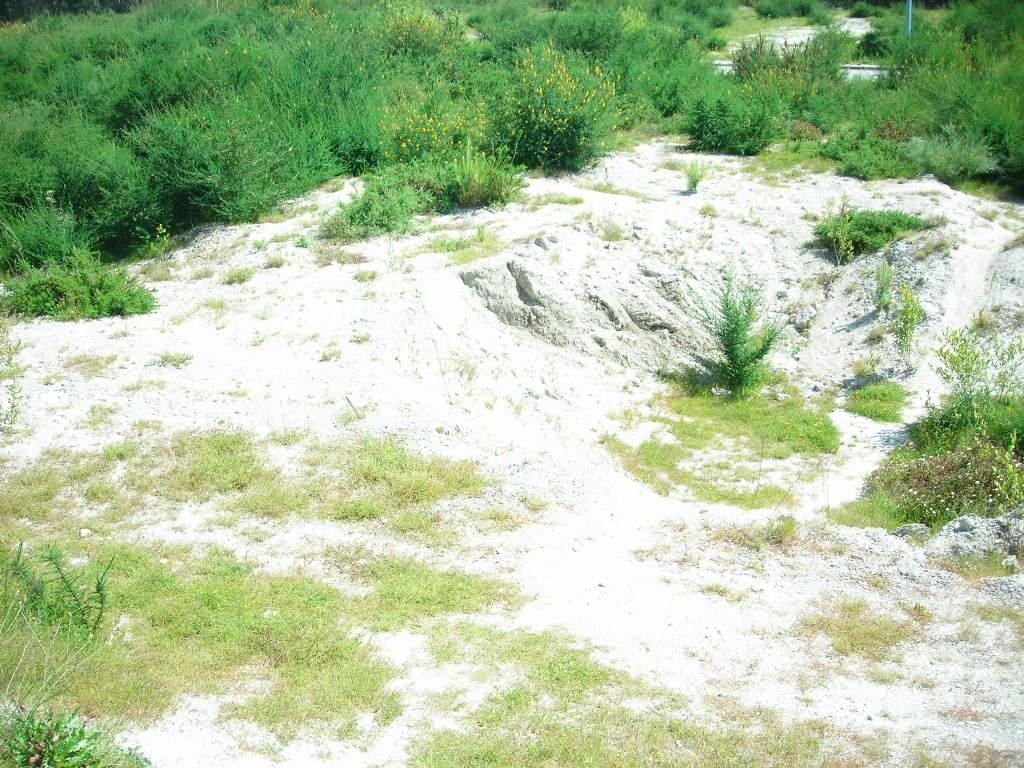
x=421 y=356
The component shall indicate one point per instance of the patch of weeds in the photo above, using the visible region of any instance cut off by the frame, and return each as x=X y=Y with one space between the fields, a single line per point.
x=610 y=231
x=708 y=211
x=748 y=431
x=977 y=567
x=360 y=338
x=203 y=273
x=466 y=249
x=696 y=171
x=33 y=492
x=89 y=366
x=608 y=188
x=406 y=591
x=933 y=246
x=172 y=360
x=851 y=232
x=366 y=275
x=500 y=519
x=98 y=416
x=238 y=275
x=49 y=740
x=880 y=401
x=875 y=510
x=1002 y=614
x=534 y=503
x=720 y=590
x=217 y=306
x=386 y=470
x=554 y=198
x=329 y=354
x=195 y=466
x=779 y=533
x=274 y=262
x=302 y=242
x=286 y=437
x=855 y=629
x=143 y=385
x=157 y=272
x=877 y=334
x=566 y=709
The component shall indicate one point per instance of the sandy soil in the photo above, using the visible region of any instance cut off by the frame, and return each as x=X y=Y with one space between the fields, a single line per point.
x=422 y=356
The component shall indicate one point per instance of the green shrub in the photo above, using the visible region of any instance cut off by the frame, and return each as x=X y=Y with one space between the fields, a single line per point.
x=883 y=286
x=695 y=171
x=37 y=235
x=732 y=126
x=851 y=232
x=910 y=315
x=984 y=376
x=980 y=478
x=412 y=27
x=473 y=180
x=953 y=156
x=881 y=401
x=864 y=155
x=53 y=593
x=557 y=112
x=48 y=740
x=776 y=9
x=391 y=199
x=80 y=289
x=387 y=203
x=740 y=350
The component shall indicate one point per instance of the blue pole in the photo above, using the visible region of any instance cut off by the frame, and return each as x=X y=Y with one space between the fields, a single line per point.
x=910 y=16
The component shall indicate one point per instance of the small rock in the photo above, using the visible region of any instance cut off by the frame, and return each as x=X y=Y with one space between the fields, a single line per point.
x=965 y=523
x=540 y=242
x=912 y=531
x=1010 y=562
x=84 y=533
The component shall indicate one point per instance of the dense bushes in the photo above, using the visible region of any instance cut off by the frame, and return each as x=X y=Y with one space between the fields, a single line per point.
x=730 y=125
x=80 y=288
x=114 y=126
x=557 y=113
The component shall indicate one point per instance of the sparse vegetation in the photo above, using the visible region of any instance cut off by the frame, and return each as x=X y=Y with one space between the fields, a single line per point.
x=238 y=275
x=855 y=629
x=172 y=359
x=883 y=286
x=611 y=231
x=778 y=533
x=695 y=171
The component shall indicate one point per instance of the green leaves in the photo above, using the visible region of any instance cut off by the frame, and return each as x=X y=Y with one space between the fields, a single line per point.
x=741 y=348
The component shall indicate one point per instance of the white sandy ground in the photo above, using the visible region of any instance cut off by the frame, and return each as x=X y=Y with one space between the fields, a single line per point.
x=608 y=559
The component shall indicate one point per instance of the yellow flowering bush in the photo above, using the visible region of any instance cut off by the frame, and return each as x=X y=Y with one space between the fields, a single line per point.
x=410 y=26
x=431 y=128
x=557 y=112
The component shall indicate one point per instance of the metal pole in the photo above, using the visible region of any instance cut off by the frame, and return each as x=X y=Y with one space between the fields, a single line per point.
x=910 y=16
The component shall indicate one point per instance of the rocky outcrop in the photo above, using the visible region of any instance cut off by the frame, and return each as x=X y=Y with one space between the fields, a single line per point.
x=636 y=318
x=973 y=536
